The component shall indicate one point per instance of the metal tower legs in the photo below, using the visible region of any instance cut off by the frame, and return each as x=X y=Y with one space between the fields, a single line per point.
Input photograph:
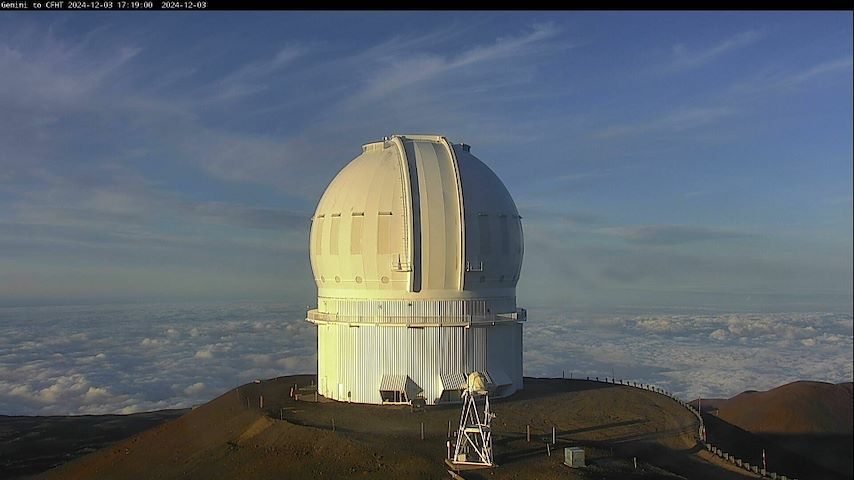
x=474 y=438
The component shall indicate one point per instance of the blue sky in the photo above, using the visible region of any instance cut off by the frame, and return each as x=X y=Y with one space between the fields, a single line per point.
x=659 y=160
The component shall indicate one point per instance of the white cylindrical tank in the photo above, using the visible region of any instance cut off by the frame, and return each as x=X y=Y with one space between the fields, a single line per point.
x=416 y=248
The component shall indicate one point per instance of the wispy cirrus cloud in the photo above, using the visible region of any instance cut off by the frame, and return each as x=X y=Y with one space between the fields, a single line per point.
x=255 y=76
x=823 y=68
x=684 y=57
x=57 y=72
x=672 y=234
x=75 y=194
x=582 y=176
x=780 y=80
x=119 y=196
x=674 y=121
x=118 y=151
x=544 y=214
x=725 y=104
x=412 y=68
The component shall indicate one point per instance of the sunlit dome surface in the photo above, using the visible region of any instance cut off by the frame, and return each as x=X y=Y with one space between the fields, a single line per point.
x=451 y=232
x=416 y=248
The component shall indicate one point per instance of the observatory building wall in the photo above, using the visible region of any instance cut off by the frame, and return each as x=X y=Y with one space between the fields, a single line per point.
x=416 y=249
x=354 y=359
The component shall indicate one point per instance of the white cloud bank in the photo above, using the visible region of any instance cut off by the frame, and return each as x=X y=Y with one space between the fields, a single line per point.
x=693 y=355
x=125 y=359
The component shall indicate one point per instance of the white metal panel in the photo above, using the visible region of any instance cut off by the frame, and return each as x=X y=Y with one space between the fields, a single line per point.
x=453 y=380
x=393 y=382
x=360 y=359
x=452 y=350
x=440 y=215
x=476 y=348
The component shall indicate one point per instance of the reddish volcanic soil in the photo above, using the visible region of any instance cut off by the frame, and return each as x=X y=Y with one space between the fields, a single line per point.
x=805 y=427
x=35 y=444
x=231 y=437
x=799 y=407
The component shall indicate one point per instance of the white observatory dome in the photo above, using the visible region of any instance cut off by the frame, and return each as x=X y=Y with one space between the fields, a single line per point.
x=415 y=232
x=451 y=232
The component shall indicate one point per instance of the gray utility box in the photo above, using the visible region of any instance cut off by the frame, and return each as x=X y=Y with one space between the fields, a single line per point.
x=573 y=457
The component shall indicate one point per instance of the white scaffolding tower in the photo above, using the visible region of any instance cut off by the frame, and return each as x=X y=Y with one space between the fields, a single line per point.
x=474 y=437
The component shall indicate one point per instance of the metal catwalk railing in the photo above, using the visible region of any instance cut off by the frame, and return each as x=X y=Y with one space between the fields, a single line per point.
x=520 y=315
x=701 y=434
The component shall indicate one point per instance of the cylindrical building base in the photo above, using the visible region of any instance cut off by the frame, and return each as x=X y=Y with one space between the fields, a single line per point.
x=397 y=364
